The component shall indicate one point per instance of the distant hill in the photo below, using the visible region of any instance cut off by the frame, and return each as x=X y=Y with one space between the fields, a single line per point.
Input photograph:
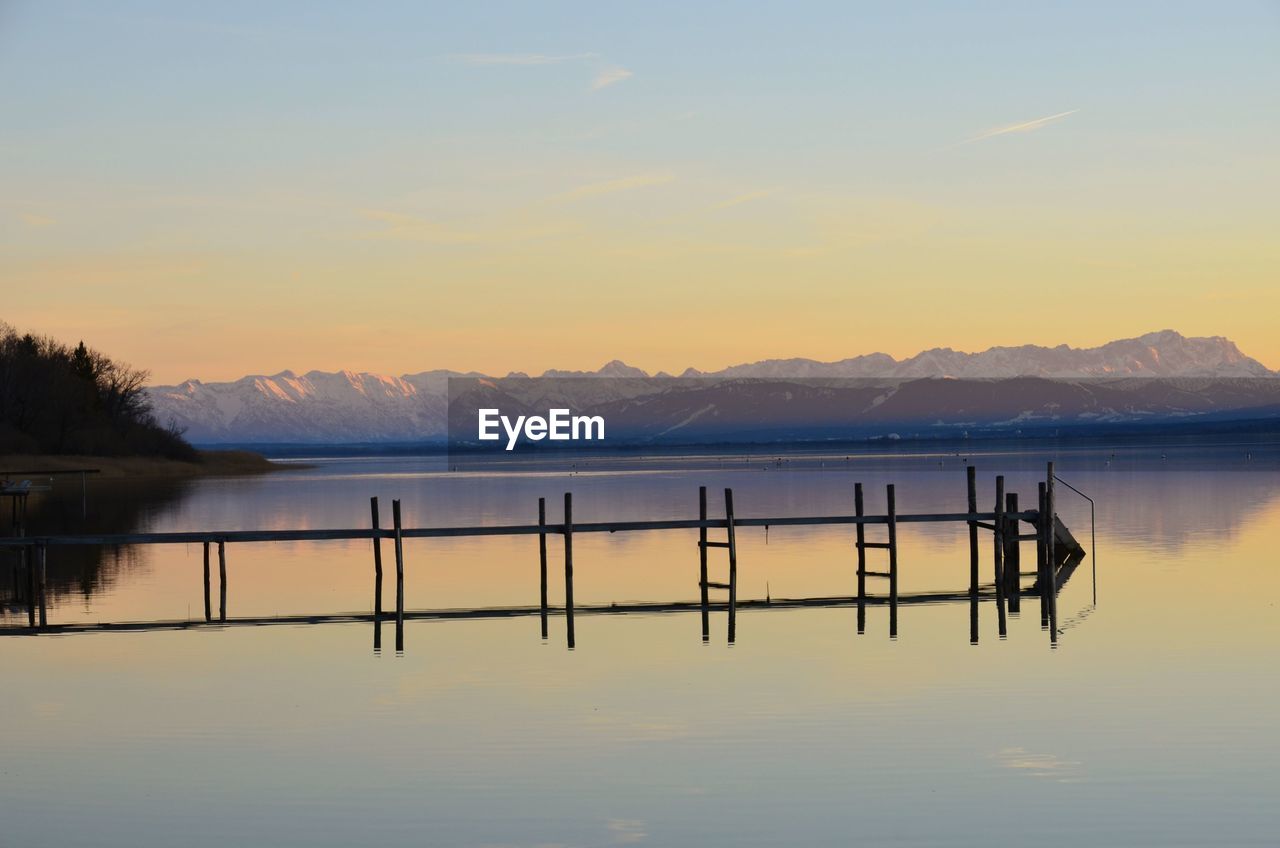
x=1158 y=376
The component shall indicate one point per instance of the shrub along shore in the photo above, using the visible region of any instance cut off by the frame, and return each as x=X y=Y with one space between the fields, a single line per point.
x=206 y=463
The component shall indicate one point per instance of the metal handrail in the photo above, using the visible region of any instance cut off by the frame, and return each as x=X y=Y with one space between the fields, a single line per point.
x=1093 y=534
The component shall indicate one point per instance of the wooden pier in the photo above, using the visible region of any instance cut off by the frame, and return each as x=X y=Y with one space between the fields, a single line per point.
x=1057 y=554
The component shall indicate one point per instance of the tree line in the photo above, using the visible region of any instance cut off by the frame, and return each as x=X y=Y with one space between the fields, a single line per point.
x=57 y=399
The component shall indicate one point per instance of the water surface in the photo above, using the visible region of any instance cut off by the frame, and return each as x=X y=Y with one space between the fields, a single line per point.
x=1150 y=722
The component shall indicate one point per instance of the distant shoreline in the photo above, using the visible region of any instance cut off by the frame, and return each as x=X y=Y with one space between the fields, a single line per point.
x=213 y=463
x=1118 y=435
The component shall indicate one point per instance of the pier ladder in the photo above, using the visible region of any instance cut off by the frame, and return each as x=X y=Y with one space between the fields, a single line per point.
x=891 y=545
x=731 y=544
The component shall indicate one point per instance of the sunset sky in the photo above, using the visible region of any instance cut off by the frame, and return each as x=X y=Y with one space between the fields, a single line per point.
x=214 y=189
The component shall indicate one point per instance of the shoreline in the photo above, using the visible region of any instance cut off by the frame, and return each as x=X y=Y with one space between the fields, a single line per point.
x=213 y=463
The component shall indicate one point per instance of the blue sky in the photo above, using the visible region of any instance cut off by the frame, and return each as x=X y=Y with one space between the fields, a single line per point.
x=814 y=160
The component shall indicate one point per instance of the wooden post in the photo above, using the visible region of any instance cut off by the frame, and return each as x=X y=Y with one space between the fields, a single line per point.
x=222 y=581
x=893 y=561
x=377 y=557
x=972 y=479
x=28 y=564
x=28 y=561
x=208 y=608
x=542 y=562
x=376 y=524
x=19 y=559
x=1013 y=556
x=733 y=566
x=41 y=552
x=13 y=566
x=1041 y=582
x=860 y=534
x=998 y=555
x=1050 y=554
x=971 y=475
x=568 y=567
x=395 y=522
x=702 y=565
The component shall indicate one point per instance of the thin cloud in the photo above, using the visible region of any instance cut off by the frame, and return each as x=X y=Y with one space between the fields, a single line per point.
x=609 y=76
x=615 y=186
x=409 y=228
x=745 y=197
x=1022 y=127
x=31 y=219
x=519 y=58
x=397 y=226
x=605 y=74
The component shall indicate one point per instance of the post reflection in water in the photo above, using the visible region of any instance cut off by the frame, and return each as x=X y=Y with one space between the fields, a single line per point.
x=859 y=603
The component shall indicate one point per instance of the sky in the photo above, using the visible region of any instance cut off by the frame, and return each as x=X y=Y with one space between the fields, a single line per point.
x=211 y=190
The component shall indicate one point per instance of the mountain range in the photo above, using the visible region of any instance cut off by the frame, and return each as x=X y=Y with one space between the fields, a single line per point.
x=1158 y=376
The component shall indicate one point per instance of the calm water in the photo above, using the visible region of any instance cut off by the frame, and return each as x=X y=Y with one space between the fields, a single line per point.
x=1150 y=723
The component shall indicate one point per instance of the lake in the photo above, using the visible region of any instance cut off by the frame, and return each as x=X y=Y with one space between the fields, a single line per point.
x=1150 y=722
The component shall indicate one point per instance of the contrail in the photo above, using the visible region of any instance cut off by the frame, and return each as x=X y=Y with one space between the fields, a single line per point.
x=1025 y=126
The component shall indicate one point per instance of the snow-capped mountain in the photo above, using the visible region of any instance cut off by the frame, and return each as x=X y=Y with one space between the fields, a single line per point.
x=352 y=406
x=312 y=407
x=1162 y=354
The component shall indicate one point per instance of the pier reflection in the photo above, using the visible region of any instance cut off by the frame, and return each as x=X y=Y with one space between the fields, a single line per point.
x=81 y=572
x=986 y=597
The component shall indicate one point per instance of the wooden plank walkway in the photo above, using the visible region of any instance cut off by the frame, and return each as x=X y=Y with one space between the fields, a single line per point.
x=366 y=534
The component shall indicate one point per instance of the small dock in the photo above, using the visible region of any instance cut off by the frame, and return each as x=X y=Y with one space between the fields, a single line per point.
x=17 y=485
x=1056 y=555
